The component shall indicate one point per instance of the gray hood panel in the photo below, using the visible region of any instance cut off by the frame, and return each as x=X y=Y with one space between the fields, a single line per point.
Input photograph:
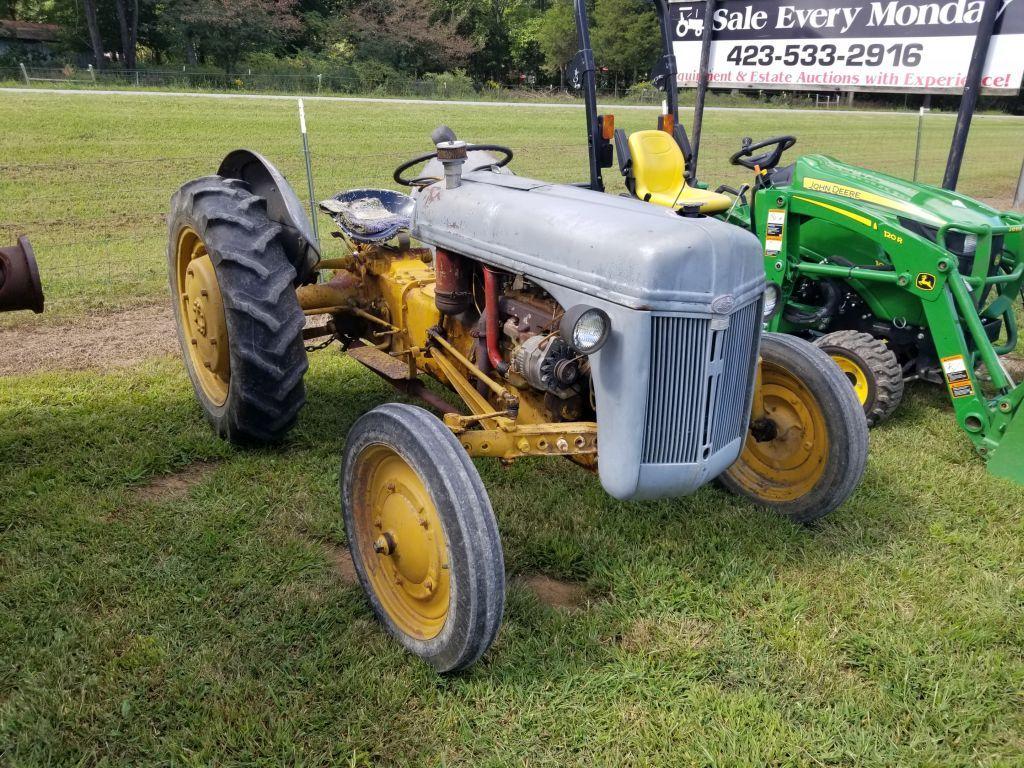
x=629 y=252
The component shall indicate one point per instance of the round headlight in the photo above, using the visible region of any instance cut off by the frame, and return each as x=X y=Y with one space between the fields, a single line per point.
x=771 y=301
x=585 y=328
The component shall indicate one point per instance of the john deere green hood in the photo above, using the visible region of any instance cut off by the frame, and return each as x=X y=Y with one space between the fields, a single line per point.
x=888 y=195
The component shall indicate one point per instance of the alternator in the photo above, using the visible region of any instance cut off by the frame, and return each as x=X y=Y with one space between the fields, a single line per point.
x=547 y=363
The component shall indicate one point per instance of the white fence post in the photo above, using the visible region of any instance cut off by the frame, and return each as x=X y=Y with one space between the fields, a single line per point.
x=24 y=73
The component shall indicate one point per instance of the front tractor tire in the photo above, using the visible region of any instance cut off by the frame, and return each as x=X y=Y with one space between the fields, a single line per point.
x=238 y=318
x=423 y=536
x=806 y=455
x=872 y=369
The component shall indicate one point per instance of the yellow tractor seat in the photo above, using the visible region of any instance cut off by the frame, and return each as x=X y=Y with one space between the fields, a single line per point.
x=658 y=168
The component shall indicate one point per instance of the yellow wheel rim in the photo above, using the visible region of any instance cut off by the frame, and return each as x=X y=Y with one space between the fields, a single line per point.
x=401 y=543
x=853 y=372
x=791 y=464
x=201 y=314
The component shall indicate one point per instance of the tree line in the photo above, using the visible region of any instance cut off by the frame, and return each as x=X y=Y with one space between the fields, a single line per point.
x=489 y=40
x=474 y=42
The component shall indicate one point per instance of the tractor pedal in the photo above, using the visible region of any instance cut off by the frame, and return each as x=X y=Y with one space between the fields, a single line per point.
x=389 y=367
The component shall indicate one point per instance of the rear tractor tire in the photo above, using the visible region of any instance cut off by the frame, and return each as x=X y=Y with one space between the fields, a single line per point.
x=238 y=318
x=423 y=536
x=807 y=455
x=871 y=368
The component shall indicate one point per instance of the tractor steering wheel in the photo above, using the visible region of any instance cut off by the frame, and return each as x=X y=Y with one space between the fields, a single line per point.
x=765 y=160
x=421 y=180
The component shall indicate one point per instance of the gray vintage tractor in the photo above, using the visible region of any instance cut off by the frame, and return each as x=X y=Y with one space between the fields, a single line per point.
x=567 y=323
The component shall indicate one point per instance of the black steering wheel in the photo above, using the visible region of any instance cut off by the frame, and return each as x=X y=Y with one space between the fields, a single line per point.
x=765 y=160
x=420 y=180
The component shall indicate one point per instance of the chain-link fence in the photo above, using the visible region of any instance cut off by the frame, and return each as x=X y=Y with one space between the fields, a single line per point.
x=350 y=82
x=455 y=87
x=91 y=191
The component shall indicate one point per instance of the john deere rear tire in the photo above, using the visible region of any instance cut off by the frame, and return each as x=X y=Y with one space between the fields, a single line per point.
x=423 y=537
x=871 y=368
x=238 y=318
x=807 y=456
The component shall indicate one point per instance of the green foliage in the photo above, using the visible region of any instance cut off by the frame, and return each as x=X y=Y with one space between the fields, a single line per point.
x=523 y=20
x=644 y=91
x=625 y=37
x=452 y=84
x=556 y=37
x=227 y=30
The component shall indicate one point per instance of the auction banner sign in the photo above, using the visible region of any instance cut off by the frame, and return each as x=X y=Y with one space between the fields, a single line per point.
x=848 y=45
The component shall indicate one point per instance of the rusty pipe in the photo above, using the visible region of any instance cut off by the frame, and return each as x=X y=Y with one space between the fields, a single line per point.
x=20 y=287
x=451 y=286
x=337 y=292
x=493 y=322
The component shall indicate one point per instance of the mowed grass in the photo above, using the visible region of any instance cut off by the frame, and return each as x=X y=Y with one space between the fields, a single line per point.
x=89 y=177
x=210 y=626
x=203 y=621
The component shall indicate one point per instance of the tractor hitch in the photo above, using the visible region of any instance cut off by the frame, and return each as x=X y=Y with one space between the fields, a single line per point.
x=20 y=287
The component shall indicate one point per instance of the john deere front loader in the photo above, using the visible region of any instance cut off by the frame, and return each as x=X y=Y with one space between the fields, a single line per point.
x=896 y=281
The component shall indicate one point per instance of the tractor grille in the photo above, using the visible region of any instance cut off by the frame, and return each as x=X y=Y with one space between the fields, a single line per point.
x=697 y=400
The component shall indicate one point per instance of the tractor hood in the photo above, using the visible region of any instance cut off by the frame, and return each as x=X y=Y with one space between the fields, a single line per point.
x=622 y=250
x=889 y=196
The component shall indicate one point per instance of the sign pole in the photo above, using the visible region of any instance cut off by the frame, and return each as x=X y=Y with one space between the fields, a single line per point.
x=702 y=82
x=969 y=101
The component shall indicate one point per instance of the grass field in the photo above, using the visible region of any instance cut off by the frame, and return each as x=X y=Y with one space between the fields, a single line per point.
x=166 y=599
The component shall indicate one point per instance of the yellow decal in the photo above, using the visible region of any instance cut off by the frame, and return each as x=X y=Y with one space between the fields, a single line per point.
x=957 y=378
x=1017 y=228
x=925 y=281
x=890 y=236
x=831 y=188
x=856 y=217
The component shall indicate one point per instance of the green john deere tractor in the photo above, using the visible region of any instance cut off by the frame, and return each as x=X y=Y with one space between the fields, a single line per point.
x=897 y=281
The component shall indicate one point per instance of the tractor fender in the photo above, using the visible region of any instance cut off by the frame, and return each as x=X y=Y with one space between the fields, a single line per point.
x=283 y=206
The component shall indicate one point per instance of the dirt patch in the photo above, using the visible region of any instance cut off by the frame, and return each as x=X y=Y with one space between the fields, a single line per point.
x=341 y=562
x=96 y=342
x=177 y=485
x=564 y=595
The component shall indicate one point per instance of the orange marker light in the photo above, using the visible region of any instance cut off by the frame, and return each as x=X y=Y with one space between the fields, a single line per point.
x=607 y=127
x=666 y=123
